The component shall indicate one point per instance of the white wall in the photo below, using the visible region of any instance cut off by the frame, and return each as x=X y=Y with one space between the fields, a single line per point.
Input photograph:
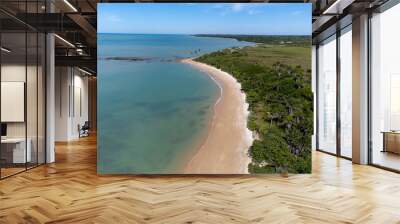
x=17 y=72
x=80 y=110
x=13 y=101
x=33 y=127
x=62 y=82
x=14 y=72
x=71 y=93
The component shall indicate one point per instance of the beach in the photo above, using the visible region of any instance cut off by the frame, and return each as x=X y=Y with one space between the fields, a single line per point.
x=226 y=145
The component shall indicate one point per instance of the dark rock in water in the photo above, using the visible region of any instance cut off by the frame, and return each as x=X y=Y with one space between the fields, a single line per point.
x=128 y=58
x=167 y=60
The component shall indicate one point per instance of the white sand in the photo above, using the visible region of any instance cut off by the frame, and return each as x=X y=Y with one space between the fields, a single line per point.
x=225 y=149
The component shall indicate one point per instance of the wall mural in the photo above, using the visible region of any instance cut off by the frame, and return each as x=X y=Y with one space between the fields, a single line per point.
x=215 y=88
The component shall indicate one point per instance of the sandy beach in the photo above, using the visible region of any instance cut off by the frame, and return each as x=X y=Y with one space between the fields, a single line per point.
x=224 y=151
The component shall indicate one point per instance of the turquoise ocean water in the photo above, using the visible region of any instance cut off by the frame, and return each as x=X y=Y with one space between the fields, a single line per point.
x=152 y=113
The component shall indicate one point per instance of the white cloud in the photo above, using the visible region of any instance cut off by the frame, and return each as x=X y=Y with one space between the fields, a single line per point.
x=248 y=8
x=237 y=7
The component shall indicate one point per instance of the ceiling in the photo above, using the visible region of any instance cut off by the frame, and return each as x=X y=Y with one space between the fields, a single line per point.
x=73 y=21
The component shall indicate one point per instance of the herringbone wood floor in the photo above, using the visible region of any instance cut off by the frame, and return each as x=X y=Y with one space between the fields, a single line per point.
x=69 y=191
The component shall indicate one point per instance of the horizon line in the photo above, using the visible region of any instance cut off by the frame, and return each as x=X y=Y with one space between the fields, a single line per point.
x=207 y=34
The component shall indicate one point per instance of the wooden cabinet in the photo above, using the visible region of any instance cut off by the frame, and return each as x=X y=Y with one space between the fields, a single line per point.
x=391 y=142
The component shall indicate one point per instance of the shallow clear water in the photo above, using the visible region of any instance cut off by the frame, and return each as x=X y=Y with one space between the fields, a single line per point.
x=151 y=114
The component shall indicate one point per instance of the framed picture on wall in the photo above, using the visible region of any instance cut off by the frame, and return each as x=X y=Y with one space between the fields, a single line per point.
x=214 y=88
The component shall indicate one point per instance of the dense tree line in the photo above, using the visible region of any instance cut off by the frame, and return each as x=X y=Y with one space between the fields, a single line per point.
x=281 y=114
x=292 y=40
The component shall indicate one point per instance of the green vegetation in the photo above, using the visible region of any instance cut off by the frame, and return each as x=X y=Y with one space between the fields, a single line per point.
x=304 y=41
x=277 y=83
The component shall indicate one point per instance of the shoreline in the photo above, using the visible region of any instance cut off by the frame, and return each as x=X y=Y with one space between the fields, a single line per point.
x=227 y=141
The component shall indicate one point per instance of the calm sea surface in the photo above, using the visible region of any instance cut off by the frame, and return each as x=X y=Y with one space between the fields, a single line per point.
x=152 y=113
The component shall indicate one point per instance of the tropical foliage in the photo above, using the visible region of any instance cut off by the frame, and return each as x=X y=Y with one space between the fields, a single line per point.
x=292 y=40
x=280 y=102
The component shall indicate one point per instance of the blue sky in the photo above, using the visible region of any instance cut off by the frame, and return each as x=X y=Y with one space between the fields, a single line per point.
x=205 y=18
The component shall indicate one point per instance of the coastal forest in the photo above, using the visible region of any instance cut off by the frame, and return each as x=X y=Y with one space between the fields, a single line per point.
x=275 y=74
